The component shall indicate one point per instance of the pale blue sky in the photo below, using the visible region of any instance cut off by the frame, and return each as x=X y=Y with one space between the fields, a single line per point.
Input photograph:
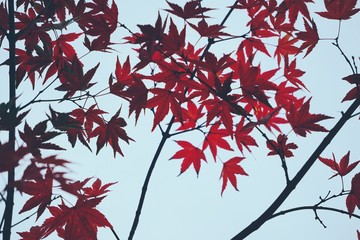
x=190 y=207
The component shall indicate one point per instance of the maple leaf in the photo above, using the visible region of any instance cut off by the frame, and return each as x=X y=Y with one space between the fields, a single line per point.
x=4 y=24
x=342 y=168
x=215 y=139
x=97 y=189
x=6 y=116
x=217 y=108
x=190 y=116
x=123 y=72
x=88 y=117
x=339 y=9
x=293 y=74
x=242 y=136
x=61 y=44
x=110 y=132
x=75 y=187
x=285 y=95
x=79 y=221
x=73 y=79
x=192 y=9
x=190 y=155
x=353 y=93
x=310 y=37
x=252 y=43
x=229 y=171
x=9 y=159
x=34 y=33
x=304 y=122
x=138 y=93
x=37 y=138
x=280 y=147
x=211 y=31
x=35 y=233
x=174 y=41
x=41 y=191
x=285 y=48
x=63 y=121
x=268 y=117
x=353 y=199
x=164 y=100
x=294 y=7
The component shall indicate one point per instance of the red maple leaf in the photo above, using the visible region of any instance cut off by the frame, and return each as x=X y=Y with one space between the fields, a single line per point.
x=252 y=43
x=266 y=116
x=341 y=168
x=190 y=115
x=34 y=33
x=164 y=100
x=285 y=48
x=110 y=132
x=304 y=122
x=353 y=199
x=63 y=121
x=217 y=108
x=192 y=9
x=9 y=159
x=293 y=74
x=215 y=139
x=294 y=7
x=123 y=72
x=339 y=9
x=353 y=93
x=61 y=44
x=242 y=136
x=211 y=31
x=37 y=138
x=310 y=37
x=88 y=117
x=280 y=147
x=40 y=190
x=229 y=171
x=4 y=24
x=73 y=79
x=174 y=41
x=190 y=155
x=97 y=189
x=285 y=95
x=79 y=221
x=35 y=233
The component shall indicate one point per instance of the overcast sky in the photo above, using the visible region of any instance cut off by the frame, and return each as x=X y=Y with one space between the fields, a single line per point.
x=190 y=207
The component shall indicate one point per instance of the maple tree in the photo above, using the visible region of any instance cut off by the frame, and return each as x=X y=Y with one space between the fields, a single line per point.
x=231 y=103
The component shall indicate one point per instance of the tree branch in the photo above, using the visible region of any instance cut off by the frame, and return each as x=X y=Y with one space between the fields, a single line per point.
x=8 y=213
x=314 y=208
x=268 y=213
x=165 y=136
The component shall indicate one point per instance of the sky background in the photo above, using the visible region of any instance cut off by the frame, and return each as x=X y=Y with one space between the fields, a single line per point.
x=191 y=207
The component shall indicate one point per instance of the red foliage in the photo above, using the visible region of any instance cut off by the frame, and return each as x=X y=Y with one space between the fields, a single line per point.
x=228 y=98
x=342 y=168
x=302 y=121
x=339 y=9
x=229 y=171
x=191 y=155
x=353 y=199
